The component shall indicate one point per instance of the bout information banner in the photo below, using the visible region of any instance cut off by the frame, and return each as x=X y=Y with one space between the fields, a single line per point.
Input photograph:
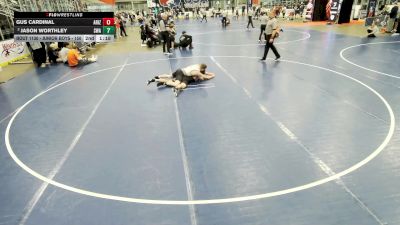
x=64 y=26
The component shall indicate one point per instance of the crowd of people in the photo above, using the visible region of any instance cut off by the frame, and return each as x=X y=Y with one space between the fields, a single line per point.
x=72 y=54
x=158 y=28
x=154 y=31
x=386 y=20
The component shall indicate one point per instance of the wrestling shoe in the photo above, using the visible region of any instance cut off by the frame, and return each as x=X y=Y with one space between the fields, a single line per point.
x=150 y=81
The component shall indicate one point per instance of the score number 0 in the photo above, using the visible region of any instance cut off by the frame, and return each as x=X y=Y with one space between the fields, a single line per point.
x=108 y=21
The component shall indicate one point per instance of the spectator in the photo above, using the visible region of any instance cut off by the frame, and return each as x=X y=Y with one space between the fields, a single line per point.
x=392 y=18
x=117 y=26
x=38 y=53
x=63 y=54
x=52 y=52
x=373 y=30
x=165 y=35
x=185 y=40
x=75 y=59
x=122 y=26
x=224 y=16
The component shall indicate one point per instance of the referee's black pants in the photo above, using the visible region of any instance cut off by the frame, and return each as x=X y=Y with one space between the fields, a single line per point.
x=269 y=45
x=166 y=41
x=250 y=22
x=263 y=26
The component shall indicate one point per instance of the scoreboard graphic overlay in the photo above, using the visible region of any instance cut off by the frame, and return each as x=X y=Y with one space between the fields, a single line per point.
x=64 y=26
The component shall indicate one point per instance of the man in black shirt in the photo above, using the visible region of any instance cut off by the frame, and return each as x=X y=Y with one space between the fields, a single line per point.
x=185 y=40
x=392 y=18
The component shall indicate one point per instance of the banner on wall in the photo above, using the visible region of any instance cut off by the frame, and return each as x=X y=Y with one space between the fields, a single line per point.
x=151 y=3
x=11 y=51
x=196 y=3
x=333 y=10
x=309 y=10
x=370 y=13
x=167 y=2
x=371 y=8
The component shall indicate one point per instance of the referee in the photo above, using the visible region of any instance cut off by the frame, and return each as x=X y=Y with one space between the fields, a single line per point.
x=272 y=30
x=164 y=34
x=250 y=17
x=264 y=20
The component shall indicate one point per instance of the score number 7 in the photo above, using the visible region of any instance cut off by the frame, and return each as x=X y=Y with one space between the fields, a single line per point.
x=109 y=30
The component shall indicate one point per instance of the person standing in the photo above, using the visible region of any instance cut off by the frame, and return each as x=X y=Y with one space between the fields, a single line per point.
x=224 y=15
x=271 y=30
x=204 y=13
x=172 y=32
x=283 y=11
x=250 y=16
x=117 y=27
x=258 y=11
x=237 y=14
x=309 y=11
x=122 y=26
x=164 y=34
x=301 y=10
x=296 y=10
x=328 y=10
x=263 y=19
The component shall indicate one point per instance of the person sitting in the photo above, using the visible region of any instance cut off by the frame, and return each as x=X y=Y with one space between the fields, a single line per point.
x=152 y=35
x=63 y=54
x=143 y=36
x=52 y=52
x=373 y=30
x=396 y=28
x=75 y=58
x=185 y=40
